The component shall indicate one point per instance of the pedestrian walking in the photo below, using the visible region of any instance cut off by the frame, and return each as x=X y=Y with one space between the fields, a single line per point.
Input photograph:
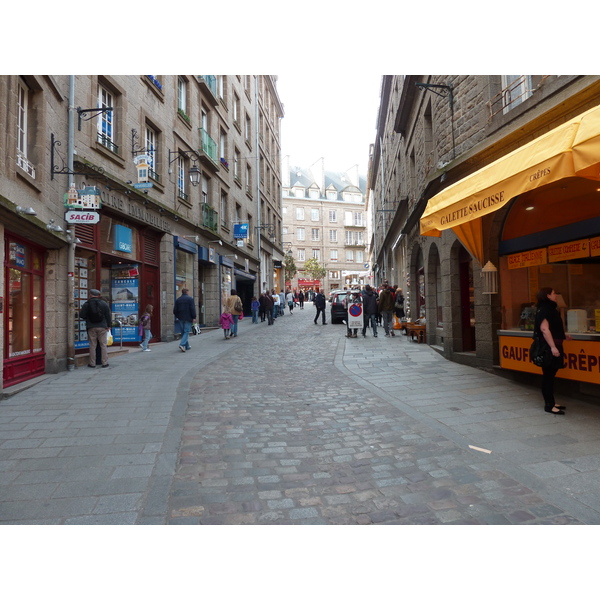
x=254 y=308
x=386 y=309
x=145 y=328
x=370 y=309
x=98 y=320
x=185 y=312
x=549 y=326
x=235 y=307
x=290 y=301
x=301 y=300
x=319 y=302
x=276 y=303
x=268 y=303
x=226 y=322
x=399 y=303
x=281 y=303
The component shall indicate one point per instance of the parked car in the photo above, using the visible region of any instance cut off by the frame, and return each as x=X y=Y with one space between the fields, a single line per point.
x=338 y=310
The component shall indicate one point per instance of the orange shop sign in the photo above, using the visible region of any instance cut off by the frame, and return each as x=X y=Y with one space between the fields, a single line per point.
x=581 y=357
x=531 y=258
x=569 y=251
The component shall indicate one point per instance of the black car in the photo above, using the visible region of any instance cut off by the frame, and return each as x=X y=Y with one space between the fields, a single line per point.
x=338 y=310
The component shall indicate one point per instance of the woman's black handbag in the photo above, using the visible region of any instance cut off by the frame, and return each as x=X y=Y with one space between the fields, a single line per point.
x=541 y=354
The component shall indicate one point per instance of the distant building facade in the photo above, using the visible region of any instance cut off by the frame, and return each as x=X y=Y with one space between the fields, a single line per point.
x=324 y=218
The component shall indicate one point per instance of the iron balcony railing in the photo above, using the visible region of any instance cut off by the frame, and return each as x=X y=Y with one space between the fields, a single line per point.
x=209 y=146
x=211 y=82
x=210 y=217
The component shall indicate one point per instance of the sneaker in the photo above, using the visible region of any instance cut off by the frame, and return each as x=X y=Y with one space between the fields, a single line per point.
x=182 y=348
x=393 y=334
x=142 y=347
x=147 y=350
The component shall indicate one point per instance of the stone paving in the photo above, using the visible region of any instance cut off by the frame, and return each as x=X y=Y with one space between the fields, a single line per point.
x=294 y=424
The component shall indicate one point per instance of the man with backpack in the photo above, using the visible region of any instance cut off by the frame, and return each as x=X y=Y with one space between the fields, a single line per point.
x=98 y=321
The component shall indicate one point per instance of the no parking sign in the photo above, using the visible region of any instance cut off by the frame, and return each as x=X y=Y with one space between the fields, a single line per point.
x=355 y=316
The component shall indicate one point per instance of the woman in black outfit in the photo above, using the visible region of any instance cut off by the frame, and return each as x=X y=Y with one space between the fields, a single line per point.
x=549 y=325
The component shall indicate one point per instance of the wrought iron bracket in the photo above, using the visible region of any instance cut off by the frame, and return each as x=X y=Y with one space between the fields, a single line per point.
x=64 y=170
x=135 y=148
x=270 y=229
x=82 y=113
x=188 y=153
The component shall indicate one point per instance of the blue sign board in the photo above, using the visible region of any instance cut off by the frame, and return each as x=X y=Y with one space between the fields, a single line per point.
x=240 y=230
x=123 y=239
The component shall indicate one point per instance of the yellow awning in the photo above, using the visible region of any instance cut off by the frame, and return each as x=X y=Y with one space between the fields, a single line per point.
x=544 y=160
x=586 y=147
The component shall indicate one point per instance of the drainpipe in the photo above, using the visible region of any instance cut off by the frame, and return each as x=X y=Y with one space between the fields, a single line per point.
x=71 y=233
x=258 y=199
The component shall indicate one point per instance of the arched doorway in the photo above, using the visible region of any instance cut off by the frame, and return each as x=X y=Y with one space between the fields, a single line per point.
x=467 y=300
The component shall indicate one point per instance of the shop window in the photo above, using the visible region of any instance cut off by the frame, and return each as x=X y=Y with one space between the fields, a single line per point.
x=184 y=272
x=23 y=324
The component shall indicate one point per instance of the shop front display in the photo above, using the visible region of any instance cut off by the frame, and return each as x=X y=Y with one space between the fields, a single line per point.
x=23 y=310
x=547 y=195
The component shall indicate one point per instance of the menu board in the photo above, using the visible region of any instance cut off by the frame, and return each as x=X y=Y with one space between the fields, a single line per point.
x=81 y=285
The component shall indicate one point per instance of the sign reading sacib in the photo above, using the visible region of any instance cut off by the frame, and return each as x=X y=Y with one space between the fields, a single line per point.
x=82 y=216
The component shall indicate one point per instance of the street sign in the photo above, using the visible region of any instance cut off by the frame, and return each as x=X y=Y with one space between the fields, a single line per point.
x=355 y=316
x=143 y=186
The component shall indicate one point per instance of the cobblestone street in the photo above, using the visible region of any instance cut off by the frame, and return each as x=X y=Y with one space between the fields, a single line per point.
x=294 y=424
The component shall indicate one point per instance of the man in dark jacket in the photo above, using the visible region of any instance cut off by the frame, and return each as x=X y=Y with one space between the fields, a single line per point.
x=185 y=312
x=386 y=308
x=319 y=302
x=98 y=321
x=370 y=309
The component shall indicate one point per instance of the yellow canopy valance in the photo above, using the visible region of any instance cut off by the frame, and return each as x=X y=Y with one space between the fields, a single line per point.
x=544 y=160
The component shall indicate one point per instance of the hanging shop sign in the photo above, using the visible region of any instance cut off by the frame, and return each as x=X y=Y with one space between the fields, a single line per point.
x=87 y=217
x=240 y=231
x=595 y=246
x=87 y=198
x=123 y=239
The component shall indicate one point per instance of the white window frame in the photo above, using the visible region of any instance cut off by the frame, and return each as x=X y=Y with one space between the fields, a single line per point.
x=314 y=214
x=180 y=175
x=300 y=234
x=299 y=213
x=150 y=145
x=358 y=219
x=512 y=87
x=182 y=94
x=23 y=108
x=333 y=235
x=301 y=254
x=333 y=254
x=204 y=192
x=349 y=255
x=333 y=216
x=316 y=253
x=314 y=234
x=105 y=120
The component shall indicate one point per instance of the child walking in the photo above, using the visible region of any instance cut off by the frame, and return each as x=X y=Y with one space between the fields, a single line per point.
x=226 y=321
x=254 y=308
x=144 y=328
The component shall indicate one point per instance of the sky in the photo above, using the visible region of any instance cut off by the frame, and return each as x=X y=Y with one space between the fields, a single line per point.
x=336 y=121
